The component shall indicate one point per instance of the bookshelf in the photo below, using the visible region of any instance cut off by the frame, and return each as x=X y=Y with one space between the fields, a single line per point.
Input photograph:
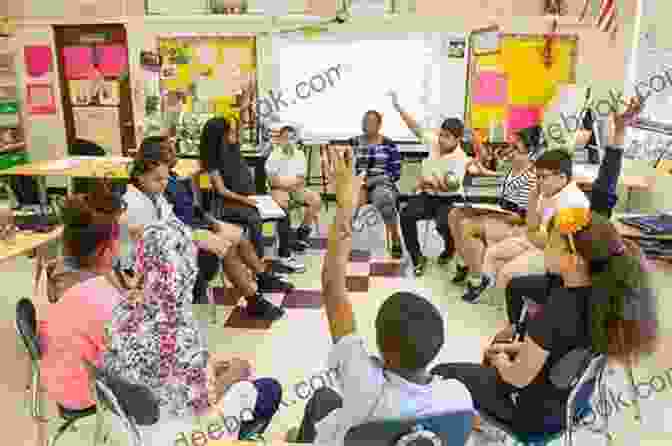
x=11 y=123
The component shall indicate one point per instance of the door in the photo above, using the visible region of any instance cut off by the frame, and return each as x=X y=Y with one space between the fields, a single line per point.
x=95 y=85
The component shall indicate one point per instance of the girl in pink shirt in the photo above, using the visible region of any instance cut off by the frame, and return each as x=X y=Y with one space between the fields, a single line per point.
x=73 y=329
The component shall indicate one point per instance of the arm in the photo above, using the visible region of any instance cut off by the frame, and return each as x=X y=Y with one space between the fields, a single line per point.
x=218 y=185
x=410 y=122
x=338 y=306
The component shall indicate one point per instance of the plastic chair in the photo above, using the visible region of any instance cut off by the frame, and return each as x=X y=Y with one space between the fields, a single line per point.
x=26 y=330
x=584 y=382
x=446 y=429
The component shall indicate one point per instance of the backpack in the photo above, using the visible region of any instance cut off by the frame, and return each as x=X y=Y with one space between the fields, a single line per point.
x=60 y=278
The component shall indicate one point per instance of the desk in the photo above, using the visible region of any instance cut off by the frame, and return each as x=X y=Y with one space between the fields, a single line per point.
x=663 y=264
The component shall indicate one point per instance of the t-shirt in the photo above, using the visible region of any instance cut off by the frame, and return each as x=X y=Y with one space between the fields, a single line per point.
x=376 y=160
x=455 y=166
x=235 y=172
x=515 y=189
x=569 y=197
x=292 y=164
x=66 y=340
x=371 y=393
x=561 y=327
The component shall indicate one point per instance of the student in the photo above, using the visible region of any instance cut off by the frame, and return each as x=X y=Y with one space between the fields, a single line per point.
x=233 y=186
x=286 y=168
x=409 y=332
x=493 y=227
x=379 y=160
x=157 y=342
x=594 y=309
x=432 y=202
x=91 y=243
x=602 y=200
x=148 y=205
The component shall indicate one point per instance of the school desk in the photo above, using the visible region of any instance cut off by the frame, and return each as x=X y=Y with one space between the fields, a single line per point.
x=663 y=264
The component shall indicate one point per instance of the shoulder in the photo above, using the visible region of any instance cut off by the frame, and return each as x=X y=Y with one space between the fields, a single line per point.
x=453 y=392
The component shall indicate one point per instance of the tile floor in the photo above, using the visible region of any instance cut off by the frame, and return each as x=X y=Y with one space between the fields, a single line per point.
x=294 y=350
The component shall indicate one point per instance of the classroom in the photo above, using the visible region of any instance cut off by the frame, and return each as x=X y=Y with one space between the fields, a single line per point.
x=335 y=222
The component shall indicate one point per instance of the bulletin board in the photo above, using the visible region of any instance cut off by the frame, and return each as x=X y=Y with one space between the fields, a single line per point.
x=509 y=88
x=207 y=74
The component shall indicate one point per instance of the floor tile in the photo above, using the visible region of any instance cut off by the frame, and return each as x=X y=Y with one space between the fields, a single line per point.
x=302 y=298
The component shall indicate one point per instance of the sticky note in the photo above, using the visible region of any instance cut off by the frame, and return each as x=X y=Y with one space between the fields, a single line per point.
x=490 y=88
x=207 y=54
x=520 y=117
x=78 y=62
x=483 y=115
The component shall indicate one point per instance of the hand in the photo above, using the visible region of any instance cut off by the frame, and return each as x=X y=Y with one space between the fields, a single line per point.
x=618 y=121
x=504 y=335
x=251 y=202
x=347 y=184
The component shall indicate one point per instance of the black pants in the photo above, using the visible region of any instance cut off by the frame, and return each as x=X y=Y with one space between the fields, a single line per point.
x=425 y=207
x=247 y=217
x=284 y=230
x=322 y=403
x=208 y=266
x=535 y=287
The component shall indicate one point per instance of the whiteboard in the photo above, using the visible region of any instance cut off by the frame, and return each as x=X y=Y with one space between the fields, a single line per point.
x=329 y=82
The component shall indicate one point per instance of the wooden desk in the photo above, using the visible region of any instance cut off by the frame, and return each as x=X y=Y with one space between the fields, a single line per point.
x=26 y=242
x=663 y=264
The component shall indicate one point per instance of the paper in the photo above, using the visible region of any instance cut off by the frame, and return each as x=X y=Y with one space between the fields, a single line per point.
x=38 y=60
x=485 y=207
x=41 y=99
x=99 y=125
x=207 y=54
x=78 y=62
x=64 y=164
x=113 y=59
x=521 y=117
x=490 y=88
x=530 y=81
x=109 y=93
x=483 y=116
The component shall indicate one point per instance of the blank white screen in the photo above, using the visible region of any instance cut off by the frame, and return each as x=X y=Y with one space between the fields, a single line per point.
x=351 y=73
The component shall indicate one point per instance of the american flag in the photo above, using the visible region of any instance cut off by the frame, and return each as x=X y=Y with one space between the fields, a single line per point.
x=606 y=18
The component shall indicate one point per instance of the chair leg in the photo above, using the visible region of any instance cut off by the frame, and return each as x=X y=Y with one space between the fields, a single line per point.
x=61 y=430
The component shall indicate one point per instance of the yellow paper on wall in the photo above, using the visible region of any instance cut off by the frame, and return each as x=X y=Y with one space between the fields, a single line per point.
x=530 y=81
x=488 y=61
x=483 y=115
x=188 y=106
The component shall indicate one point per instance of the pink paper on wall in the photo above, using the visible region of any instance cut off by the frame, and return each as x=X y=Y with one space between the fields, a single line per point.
x=490 y=88
x=77 y=61
x=113 y=59
x=523 y=116
x=38 y=60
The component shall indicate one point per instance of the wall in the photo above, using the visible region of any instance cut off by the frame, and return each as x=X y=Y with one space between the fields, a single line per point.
x=601 y=63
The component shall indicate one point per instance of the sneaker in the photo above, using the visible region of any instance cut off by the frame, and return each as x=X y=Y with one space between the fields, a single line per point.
x=487 y=435
x=263 y=309
x=419 y=266
x=474 y=292
x=292 y=264
x=461 y=274
x=396 y=251
x=269 y=283
x=445 y=257
x=300 y=246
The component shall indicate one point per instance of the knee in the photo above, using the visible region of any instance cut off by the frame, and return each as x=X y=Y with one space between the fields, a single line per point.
x=323 y=401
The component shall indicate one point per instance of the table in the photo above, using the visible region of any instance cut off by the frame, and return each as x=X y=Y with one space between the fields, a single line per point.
x=663 y=264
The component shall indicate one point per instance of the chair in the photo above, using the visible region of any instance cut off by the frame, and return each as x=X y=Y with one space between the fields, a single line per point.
x=26 y=327
x=582 y=372
x=447 y=429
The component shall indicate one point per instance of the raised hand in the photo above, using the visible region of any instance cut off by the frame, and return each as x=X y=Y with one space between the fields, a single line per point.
x=618 y=121
x=394 y=96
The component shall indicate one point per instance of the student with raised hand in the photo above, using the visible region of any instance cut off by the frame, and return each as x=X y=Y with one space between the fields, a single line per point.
x=598 y=307
x=409 y=334
x=476 y=229
x=438 y=190
x=602 y=200
x=147 y=205
x=232 y=184
x=379 y=159
x=286 y=168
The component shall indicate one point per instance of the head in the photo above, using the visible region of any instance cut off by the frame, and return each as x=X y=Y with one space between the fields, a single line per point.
x=616 y=270
x=91 y=227
x=554 y=171
x=372 y=123
x=217 y=137
x=152 y=165
x=450 y=136
x=409 y=332
x=524 y=143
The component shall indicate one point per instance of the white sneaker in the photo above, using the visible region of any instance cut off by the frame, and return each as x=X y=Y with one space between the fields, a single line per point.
x=292 y=264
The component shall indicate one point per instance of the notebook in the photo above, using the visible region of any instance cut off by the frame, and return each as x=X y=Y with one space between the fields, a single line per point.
x=650 y=224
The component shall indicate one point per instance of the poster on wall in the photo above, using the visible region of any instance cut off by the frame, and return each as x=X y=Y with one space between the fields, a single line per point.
x=40 y=99
x=100 y=125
